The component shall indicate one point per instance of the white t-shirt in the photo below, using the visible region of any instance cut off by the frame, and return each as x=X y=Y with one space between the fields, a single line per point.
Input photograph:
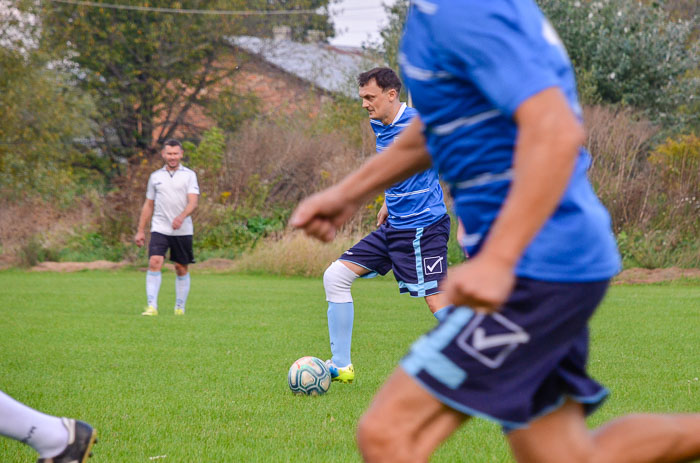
x=169 y=192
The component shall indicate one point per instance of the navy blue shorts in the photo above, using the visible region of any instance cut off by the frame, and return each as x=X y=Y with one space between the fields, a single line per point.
x=418 y=256
x=515 y=365
x=180 y=247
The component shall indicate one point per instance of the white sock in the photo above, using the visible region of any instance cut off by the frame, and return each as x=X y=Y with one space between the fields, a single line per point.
x=45 y=433
x=152 y=287
x=182 y=289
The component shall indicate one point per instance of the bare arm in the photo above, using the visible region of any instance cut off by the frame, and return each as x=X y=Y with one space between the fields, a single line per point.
x=192 y=201
x=322 y=214
x=146 y=213
x=382 y=215
x=549 y=137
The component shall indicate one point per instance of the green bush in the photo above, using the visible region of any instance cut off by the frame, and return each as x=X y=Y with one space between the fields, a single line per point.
x=229 y=232
x=207 y=157
x=34 y=251
x=455 y=253
x=658 y=249
x=629 y=53
x=92 y=245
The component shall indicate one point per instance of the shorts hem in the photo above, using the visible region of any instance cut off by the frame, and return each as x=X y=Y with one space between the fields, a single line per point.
x=182 y=263
x=460 y=407
x=428 y=292
x=372 y=273
x=594 y=402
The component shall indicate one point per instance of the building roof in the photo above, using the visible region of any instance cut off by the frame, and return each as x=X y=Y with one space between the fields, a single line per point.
x=333 y=69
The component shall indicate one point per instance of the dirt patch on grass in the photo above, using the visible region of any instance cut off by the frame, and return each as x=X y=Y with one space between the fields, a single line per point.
x=77 y=266
x=221 y=265
x=216 y=264
x=645 y=275
x=629 y=276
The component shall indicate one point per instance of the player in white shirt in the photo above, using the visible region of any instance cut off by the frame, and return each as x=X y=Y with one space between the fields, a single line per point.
x=171 y=197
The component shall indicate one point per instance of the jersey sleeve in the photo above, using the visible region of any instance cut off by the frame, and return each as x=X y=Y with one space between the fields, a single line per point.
x=499 y=50
x=150 y=189
x=193 y=187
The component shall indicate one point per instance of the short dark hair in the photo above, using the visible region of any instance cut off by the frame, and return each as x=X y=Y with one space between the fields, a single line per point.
x=386 y=79
x=172 y=142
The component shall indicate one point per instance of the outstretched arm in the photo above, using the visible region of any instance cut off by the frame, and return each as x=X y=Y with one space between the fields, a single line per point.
x=382 y=215
x=321 y=215
x=146 y=213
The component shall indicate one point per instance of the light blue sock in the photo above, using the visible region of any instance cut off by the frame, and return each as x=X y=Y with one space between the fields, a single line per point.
x=152 y=287
x=182 y=289
x=441 y=314
x=340 y=318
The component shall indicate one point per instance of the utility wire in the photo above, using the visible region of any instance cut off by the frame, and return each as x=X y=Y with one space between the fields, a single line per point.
x=186 y=11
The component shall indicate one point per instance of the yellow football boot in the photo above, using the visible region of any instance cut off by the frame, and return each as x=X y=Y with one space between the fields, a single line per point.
x=150 y=311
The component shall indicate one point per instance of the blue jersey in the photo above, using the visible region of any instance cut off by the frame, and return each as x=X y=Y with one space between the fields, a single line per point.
x=469 y=64
x=417 y=201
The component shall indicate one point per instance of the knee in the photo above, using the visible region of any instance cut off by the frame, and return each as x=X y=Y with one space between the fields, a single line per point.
x=372 y=440
x=381 y=441
x=155 y=263
x=337 y=280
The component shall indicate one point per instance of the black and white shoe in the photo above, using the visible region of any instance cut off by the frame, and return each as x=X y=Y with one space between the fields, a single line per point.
x=81 y=438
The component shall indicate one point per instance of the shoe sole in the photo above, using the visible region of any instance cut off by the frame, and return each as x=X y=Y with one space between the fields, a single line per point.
x=88 y=451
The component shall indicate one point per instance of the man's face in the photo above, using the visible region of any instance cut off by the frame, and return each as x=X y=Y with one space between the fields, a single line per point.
x=379 y=104
x=172 y=155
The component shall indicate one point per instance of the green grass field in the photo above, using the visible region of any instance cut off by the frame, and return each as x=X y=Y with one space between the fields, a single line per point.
x=211 y=386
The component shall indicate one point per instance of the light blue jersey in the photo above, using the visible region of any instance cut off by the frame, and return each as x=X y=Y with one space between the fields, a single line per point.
x=469 y=64
x=417 y=201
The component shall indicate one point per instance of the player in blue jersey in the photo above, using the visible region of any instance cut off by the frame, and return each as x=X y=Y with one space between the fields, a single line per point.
x=411 y=238
x=499 y=118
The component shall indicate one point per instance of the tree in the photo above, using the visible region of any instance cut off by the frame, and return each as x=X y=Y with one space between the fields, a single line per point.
x=147 y=70
x=45 y=120
x=624 y=52
x=632 y=54
x=391 y=34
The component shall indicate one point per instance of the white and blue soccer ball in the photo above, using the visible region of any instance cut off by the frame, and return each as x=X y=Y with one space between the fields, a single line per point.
x=309 y=376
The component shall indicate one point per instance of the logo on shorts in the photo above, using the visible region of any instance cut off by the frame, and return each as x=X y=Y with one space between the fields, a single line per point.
x=491 y=345
x=433 y=265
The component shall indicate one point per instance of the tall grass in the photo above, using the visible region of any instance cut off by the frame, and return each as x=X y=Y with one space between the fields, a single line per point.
x=652 y=190
x=294 y=254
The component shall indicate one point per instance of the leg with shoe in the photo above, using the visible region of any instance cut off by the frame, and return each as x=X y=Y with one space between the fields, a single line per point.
x=181 y=254
x=182 y=288
x=157 y=248
x=57 y=440
x=366 y=259
x=153 y=280
x=337 y=281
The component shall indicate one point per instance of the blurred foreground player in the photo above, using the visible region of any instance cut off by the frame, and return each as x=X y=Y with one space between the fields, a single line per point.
x=500 y=119
x=57 y=440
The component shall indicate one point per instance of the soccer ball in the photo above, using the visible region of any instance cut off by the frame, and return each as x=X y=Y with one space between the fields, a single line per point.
x=309 y=376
